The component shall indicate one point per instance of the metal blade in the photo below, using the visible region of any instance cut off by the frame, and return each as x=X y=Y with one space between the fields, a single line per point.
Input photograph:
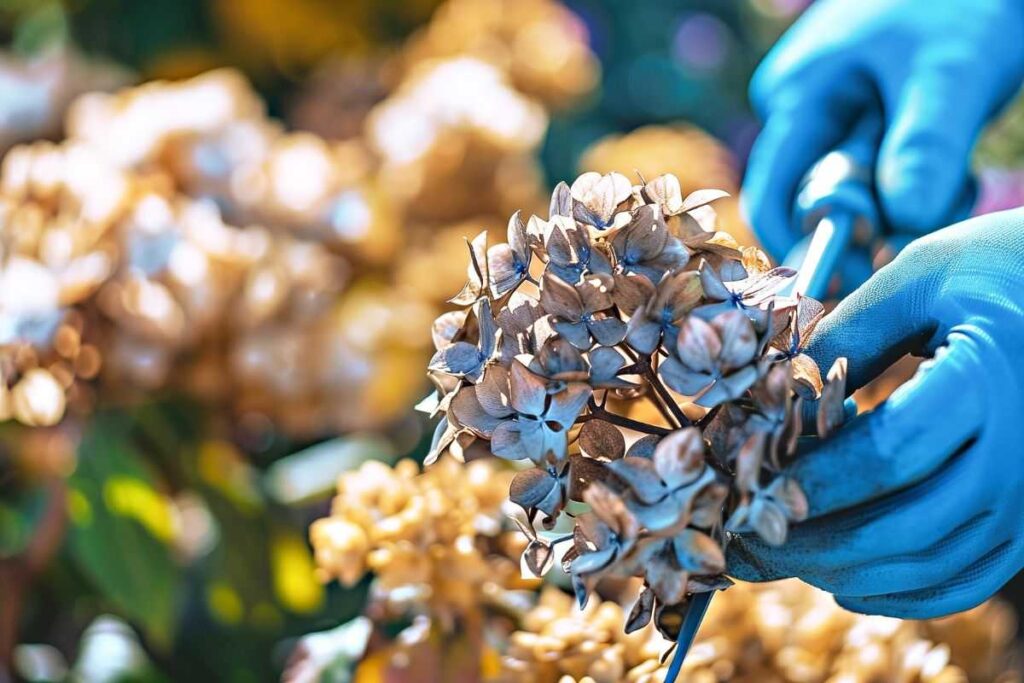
x=694 y=616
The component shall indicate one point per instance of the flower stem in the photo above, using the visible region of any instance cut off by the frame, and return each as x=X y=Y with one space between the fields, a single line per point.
x=599 y=413
x=666 y=405
x=659 y=388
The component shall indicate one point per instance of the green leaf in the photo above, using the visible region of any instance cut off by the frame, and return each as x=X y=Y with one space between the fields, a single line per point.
x=121 y=530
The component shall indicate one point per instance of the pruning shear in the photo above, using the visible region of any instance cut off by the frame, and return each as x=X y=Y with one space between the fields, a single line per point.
x=837 y=206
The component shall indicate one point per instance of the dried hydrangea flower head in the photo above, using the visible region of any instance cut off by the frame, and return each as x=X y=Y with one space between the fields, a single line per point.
x=431 y=552
x=628 y=293
x=541 y=44
x=455 y=138
x=696 y=158
x=779 y=631
x=212 y=136
x=112 y=281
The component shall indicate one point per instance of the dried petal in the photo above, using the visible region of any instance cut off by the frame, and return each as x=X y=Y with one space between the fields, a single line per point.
x=607 y=331
x=605 y=363
x=699 y=198
x=610 y=509
x=697 y=552
x=560 y=299
x=642 y=333
x=769 y=521
x=493 y=394
x=528 y=391
x=567 y=405
x=642 y=611
x=600 y=439
x=476 y=276
x=668 y=619
x=583 y=471
x=641 y=476
x=447 y=327
x=788 y=494
x=831 y=410
x=729 y=388
x=680 y=378
x=631 y=292
x=538 y=558
x=466 y=411
x=561 y=201
x=748 y=462
x=699 y=345
x=665 y=579
x=531 y=487
x=806 y=377
x=679 y=458
x=738 y=340
x=666 y=193
x=598 y=196
x=644 y=447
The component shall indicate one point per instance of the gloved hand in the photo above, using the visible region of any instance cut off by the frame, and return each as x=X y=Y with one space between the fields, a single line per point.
x=917 y=508
x=937 y=70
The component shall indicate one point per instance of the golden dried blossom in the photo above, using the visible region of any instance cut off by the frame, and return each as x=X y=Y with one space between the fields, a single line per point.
x=210 y=251
x=432 y=540
x=694 y=157
x=210 y=133
x=456 y=139
x=540 y=44
x=781 y=631
x=638 y=297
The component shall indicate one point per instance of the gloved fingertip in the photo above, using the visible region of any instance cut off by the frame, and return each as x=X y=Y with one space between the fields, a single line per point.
x=918 y=190
x=765 y=214
x=849 y=409
x=852 y=604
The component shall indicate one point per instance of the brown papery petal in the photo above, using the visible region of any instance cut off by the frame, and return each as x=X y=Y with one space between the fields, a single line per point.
x=769 y=521
x=698 y=553
x=600 y=439
x=642 y=611
x=806 y=377
x=739 y=340
x=831 y=410
x=560 y=299
x=699 y=345
x=528 y=391
x=632 y=291
x=596 y=292
x=666 y=193
x=641 y=477
x=610 y=509
x=493 y=392
x=679 y=457
x=699 y=198
x=667 y=582
x=446 y=327
x=517 y=238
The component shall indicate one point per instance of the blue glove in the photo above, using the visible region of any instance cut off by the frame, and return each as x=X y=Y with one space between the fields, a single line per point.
x=936 y=70
x=917 y=508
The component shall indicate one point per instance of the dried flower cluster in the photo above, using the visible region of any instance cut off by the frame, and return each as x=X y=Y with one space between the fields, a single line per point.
x=542 y=45
x=628 y=293
x=211 y=135
x=103 y=267
x=194 y=251
x=456 y=139
x=695 y=157
x=431 y=552
x=782 y=631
